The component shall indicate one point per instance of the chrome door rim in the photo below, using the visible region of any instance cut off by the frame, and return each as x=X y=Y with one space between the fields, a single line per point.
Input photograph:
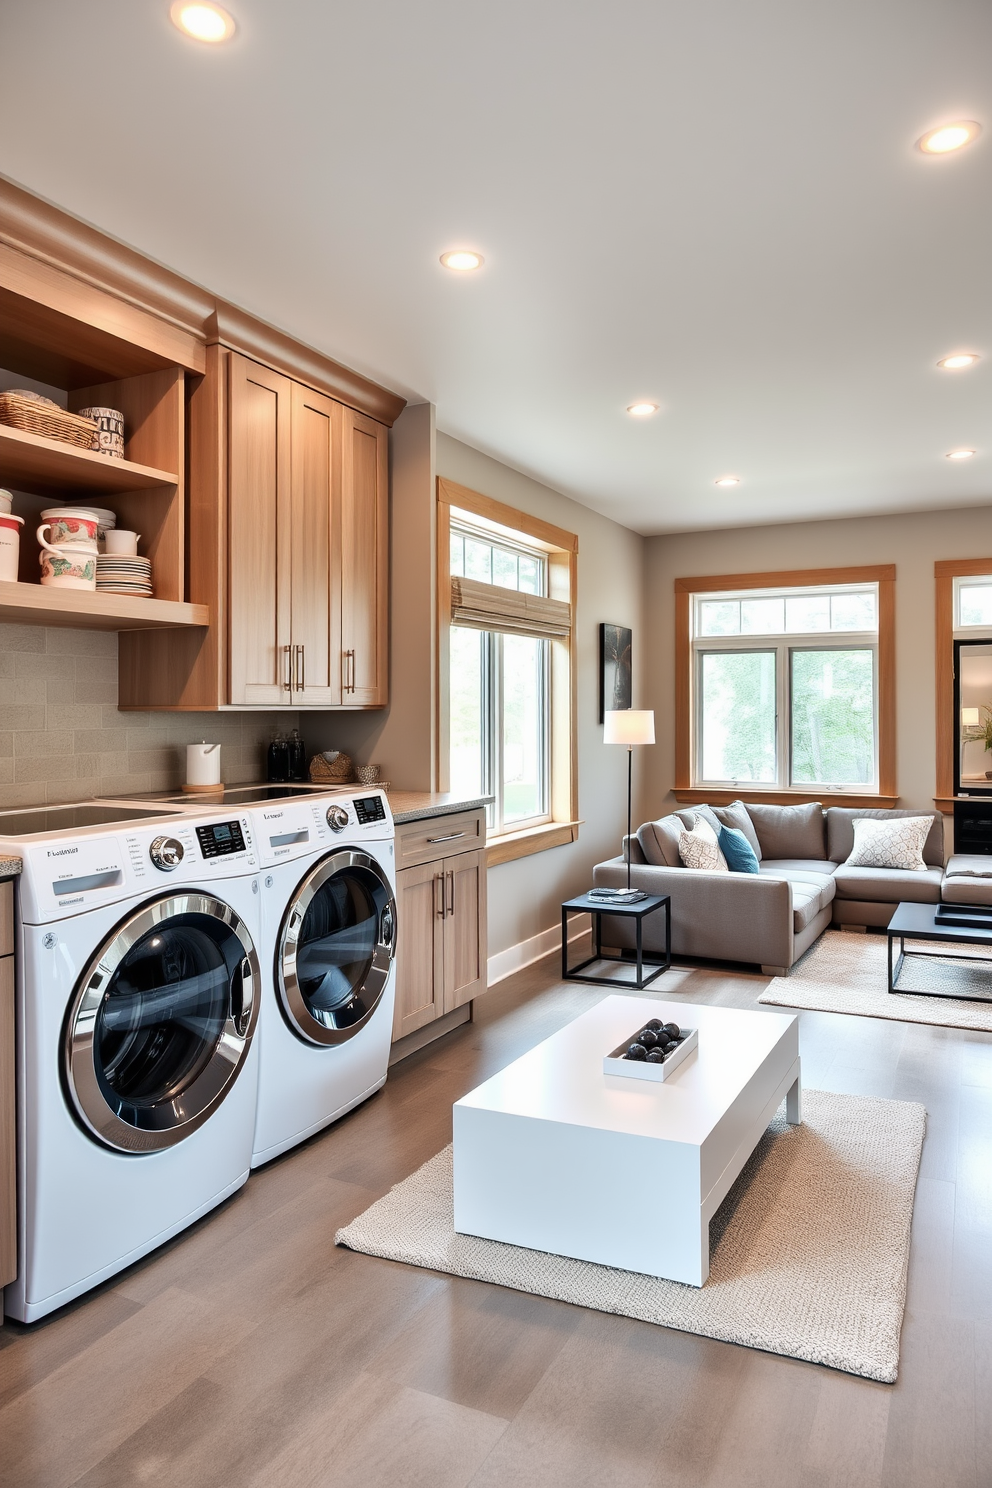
x=198 y=1101
x=290 y=994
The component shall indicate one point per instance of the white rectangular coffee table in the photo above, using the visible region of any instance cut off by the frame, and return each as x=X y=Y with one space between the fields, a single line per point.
x=553 y=1154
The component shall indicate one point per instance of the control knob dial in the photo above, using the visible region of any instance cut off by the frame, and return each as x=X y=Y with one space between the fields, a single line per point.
x=166 y=853
x=337 y=818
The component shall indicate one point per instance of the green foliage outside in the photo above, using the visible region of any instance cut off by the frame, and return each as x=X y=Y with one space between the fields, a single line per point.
x=833 y=730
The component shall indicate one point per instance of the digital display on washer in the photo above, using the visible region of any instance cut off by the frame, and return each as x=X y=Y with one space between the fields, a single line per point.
x=221 y=838
x=369 y=809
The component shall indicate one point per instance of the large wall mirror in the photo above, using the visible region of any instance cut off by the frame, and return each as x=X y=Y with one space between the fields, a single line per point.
x=973 y=717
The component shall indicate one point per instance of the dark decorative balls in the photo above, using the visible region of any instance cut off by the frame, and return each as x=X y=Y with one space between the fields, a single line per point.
x=636 y=1051
x=655 y=1056
x=673 y=1030
x=647 y=1037
x=653 y=1023
x=669 y=1048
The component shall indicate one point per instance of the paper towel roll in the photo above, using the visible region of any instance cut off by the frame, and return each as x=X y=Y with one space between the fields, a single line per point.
x=203 y=764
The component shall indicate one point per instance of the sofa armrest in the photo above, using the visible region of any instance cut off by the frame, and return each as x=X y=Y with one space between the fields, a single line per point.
x=727 y=916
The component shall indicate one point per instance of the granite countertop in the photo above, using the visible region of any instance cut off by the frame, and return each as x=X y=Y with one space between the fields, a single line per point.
x=408 y=806
x=10 y=867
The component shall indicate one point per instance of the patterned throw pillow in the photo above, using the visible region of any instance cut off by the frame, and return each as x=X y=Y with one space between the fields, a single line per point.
x=700 y=849
x=896 y=843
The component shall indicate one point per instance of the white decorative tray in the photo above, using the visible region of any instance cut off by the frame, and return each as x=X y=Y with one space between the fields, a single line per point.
x=640 y=1069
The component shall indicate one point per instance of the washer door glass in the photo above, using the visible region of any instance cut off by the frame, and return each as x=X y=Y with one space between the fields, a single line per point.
x=336 y=948
x=161 y=1022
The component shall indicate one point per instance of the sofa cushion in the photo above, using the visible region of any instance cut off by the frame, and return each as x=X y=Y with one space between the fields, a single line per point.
x=784 y=866
x=888 y=885
x=660 y=841
x=840 y=831
x=789 y=831
x=894 y=843
x=967 y=880
x=735 y=815
x=740 y=855
x=811 y=891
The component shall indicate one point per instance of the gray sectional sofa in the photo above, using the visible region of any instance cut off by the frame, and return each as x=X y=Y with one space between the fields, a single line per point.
x=803 y=884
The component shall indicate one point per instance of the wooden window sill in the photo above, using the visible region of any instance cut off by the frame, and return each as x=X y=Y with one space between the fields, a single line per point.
x=511 y=845
x=687 y=796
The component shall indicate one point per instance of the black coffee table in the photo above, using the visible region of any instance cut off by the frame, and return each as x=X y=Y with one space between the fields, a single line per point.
x=636 y=912
x=919 y=922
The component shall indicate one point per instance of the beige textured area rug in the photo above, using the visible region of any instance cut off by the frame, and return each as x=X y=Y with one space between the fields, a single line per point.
x=808 y=1252
x=845 y=973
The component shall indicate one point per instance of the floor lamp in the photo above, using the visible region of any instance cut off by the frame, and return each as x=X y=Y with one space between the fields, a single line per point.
x=628 y=726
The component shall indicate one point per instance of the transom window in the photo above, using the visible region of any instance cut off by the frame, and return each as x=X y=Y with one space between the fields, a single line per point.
x=799 y=707
x=973 y=602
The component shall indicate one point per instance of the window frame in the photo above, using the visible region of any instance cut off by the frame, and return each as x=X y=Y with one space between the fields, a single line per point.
x=561 y=549
x=946 y=571
x=883 y=576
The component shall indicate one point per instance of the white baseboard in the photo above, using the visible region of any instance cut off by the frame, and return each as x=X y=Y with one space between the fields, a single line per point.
x=526 y=952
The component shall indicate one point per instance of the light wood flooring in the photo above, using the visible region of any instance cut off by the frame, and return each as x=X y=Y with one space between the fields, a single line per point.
x=251 y=1353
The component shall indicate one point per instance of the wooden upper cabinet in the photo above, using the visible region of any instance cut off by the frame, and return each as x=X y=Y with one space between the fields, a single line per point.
x=315 y=669
x=260 y=523
x=364 y=560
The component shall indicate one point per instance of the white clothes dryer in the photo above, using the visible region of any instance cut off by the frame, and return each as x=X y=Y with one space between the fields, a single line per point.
x=138 y=983
x=328 y=946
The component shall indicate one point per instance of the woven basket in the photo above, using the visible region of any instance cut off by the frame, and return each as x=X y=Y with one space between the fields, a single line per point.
x=338 y=770
x=47 y=419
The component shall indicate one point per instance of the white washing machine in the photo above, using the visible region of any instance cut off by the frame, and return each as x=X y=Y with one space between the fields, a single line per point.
x=328 y=945
x=138 y=995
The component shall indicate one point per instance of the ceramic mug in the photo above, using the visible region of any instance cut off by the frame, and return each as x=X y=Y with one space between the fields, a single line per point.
x=68 y=526
x=105 y=520
x=110 y=430
x=10 y=546
x=5 y=500
x=72 y=567
x=119 y=540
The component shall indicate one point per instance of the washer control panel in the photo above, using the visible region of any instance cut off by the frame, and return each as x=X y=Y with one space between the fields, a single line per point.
x=221 y=839
x=166 y=853
x=337 y=818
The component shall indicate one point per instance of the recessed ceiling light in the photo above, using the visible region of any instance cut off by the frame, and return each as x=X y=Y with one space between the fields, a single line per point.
x=204 y=22
x=958 y=360
x=961 y=454
x=462 y=260
x=949 y=137
x=728 y=480
x=642 y=410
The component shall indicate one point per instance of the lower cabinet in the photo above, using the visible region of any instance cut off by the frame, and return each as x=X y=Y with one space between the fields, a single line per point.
x=441 y=942
x=8 y=1109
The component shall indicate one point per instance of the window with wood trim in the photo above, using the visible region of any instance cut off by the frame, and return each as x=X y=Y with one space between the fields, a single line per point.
x=505 y=648
x=785 y=685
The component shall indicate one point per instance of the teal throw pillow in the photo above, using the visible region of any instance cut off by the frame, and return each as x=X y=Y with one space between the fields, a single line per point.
x=738 y=851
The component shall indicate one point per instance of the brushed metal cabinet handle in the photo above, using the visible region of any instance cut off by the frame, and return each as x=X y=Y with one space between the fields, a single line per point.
x=439 y=879
x=303 y=667
x=450 y=837
x=288 y=656
x=451 y=885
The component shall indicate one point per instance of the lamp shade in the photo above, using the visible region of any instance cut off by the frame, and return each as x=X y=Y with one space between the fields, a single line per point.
x=970 y=718
x=628 y=726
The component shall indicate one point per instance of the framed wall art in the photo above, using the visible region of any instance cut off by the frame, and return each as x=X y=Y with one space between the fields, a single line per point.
x=614 y=668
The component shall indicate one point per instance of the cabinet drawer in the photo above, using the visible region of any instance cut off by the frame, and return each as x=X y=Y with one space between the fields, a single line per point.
x=439 y=837
x=7 y=917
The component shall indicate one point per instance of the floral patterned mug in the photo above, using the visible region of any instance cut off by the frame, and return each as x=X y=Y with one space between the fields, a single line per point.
x=68 y=526
x=72 y=567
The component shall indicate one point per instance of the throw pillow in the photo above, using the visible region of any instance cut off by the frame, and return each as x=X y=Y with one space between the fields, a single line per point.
x=700 y=849
x=890 y=844
x=660 y=841
x=737 y=850
x=736 y=815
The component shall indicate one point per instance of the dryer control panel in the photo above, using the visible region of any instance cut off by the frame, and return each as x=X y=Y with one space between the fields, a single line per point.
x=70 y=874
x=301 y=828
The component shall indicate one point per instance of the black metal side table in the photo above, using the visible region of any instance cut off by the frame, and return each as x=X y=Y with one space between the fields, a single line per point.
x=637 y=912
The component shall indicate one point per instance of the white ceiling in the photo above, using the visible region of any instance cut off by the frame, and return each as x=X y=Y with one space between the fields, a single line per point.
x=714 y=205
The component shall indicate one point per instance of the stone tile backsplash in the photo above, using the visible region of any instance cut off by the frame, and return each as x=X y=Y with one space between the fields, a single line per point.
x=63 y=738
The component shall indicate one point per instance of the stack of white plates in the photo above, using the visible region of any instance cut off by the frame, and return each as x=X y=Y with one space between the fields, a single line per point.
x=118 y=574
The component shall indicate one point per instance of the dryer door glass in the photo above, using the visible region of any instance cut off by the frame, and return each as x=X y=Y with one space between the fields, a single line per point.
x=336 y=948
x=161 y=1022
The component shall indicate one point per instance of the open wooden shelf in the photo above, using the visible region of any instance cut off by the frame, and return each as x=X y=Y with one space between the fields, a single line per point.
x=82 y=609
x=29 y=462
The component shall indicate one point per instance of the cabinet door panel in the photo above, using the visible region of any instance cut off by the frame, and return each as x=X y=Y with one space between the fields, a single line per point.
x=419 y=947
x=316 y=594
x=8 y=1125
x=259 y=528
x=465 y=938
x=364 y=559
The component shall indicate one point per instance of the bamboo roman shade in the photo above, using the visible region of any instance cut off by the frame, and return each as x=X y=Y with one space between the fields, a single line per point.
x=481 y=606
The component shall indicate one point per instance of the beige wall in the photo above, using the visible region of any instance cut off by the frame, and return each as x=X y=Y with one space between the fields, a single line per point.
x=62 y=737
x=911 y=542
x=525 y=896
